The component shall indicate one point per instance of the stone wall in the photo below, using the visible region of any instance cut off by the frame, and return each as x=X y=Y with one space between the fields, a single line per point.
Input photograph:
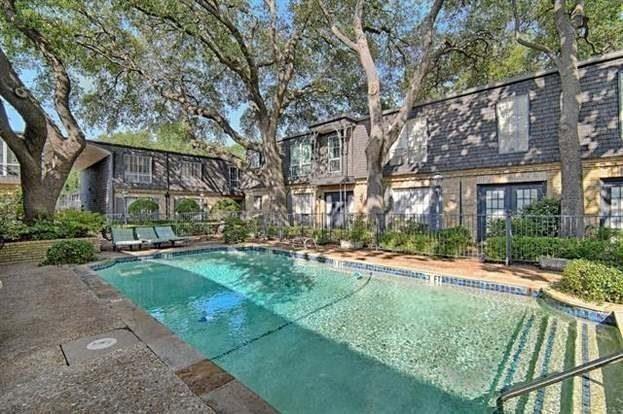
x=34 y=251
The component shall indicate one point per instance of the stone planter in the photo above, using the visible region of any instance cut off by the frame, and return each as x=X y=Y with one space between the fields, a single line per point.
x=350 y=245
x=553 y=263
x=35 y=251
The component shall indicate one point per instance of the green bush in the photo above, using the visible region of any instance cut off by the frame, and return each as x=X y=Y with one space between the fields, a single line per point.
x=453 y=241
x=76 y=223
x=70 y=252
x=236 y=230
x=321 y=236
x=225 y=207
x=359 y=232
x=539 y=219
x=143 y=206
x=592 y=281
x=187 y=205
x=530 y=249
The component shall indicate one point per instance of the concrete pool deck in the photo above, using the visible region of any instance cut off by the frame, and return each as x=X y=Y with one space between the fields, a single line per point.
x=69 y=343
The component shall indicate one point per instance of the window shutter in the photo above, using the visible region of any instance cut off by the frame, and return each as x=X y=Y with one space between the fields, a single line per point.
x=418 y=141
x=513 y=124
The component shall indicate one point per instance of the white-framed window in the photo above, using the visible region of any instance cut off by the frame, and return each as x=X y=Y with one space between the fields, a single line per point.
x=9 y=166
x=300 y=157
x=513 y=123
x=191 y=169
x=137 y=168
x=254 y=159
x=612 y=203
x=257 y=203
x=234 y=178
x=411 y=145
x=412 y=201
x=302 y=204
x=334 y=145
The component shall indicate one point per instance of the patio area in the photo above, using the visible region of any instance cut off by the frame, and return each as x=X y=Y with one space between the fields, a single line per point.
x=49 y=314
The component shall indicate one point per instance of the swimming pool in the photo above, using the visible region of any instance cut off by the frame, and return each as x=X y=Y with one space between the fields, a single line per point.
x=312 y=337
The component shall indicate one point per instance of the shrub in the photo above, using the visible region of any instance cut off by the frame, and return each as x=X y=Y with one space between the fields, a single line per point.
x=187 y=205
x=359 y=231
x=143 y=206
x=235 y=231
x=76 y=223
x=70 y=252
x=530 y=249
x=224 y=207
x=453 y=241
x=321 y=236
x=592 y=281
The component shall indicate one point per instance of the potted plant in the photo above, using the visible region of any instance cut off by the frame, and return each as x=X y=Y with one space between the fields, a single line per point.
x=356 y=237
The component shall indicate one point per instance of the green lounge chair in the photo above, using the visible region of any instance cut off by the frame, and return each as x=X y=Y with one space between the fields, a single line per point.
x=124 y=238
x=148 y=235
x=166 y=232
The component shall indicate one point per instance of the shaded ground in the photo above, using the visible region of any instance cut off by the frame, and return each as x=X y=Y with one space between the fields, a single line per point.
x=44 y=307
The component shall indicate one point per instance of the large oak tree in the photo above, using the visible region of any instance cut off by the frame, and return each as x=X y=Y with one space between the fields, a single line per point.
x=45 y=149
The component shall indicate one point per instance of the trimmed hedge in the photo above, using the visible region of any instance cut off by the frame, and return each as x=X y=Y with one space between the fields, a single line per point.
x=67 y=224
x=530 y=249
x=143 y=206
x=187 y=205
x=591 y=281
x=454 y=241
x=70 y=252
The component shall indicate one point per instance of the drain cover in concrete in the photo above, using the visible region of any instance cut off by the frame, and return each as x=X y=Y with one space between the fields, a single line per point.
x=85 y=349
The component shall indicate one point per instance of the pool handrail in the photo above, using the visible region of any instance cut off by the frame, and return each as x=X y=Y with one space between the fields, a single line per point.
x=519 y=389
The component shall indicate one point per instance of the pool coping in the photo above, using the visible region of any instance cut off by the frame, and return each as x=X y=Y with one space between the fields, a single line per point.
x=561 y=302
x=219 y=389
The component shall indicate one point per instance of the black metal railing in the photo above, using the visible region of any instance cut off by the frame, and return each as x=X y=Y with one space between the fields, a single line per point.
x=547 y=380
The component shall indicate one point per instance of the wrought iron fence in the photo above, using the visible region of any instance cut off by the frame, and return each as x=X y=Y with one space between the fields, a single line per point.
x=145 y=218
x=513 y=237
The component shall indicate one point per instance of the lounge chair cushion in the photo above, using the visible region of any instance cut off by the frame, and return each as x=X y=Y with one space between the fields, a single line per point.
x=166 y=232
x=123 y=236
x=149 y=235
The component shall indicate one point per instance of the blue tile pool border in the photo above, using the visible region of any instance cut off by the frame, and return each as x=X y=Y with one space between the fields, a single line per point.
x=436 y=279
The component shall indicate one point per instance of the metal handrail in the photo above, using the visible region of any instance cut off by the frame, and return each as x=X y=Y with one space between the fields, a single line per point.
x=520 y=389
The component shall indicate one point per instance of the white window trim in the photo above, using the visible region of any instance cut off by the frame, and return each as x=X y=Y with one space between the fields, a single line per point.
x=302 y=166
x=234 y=184
x=338 y=138
x=137 y=177
x=4 y=162
x=188 y=169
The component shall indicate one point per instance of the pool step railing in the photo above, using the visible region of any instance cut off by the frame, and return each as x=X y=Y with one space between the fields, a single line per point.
x=582 y=370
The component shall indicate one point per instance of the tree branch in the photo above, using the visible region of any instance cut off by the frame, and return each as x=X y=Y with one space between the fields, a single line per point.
x=524 y=41
x=335 y=29
x=62 y=83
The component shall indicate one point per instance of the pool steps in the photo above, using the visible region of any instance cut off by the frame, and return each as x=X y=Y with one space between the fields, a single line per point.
x=559 y=345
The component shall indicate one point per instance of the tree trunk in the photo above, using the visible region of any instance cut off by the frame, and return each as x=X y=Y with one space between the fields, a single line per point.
x=375 y=193
x=40 y=196
x=572 y=192
x=274 y=179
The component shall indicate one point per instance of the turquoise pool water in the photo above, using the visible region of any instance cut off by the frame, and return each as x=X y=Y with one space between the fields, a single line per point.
x=310 y=338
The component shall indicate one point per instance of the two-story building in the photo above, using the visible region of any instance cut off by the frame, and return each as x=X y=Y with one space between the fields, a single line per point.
x=114 y=176
x=478 y=152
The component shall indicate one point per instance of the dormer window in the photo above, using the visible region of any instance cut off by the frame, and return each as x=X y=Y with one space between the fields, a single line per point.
x=412 y=144
x=254 y=158
x=334 y=146
x=234 y=178
x=137 y=168
x=300 y=157
x=191 y=169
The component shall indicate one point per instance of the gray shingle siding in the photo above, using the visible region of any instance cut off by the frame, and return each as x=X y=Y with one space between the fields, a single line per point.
x=463 y=129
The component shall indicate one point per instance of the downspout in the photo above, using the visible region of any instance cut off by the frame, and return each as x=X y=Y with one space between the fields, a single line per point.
x=167 y=195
